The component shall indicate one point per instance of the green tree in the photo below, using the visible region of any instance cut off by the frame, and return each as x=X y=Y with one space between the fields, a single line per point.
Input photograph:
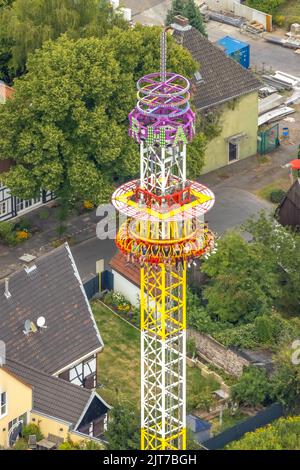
x=68 y=117
x=282 y=434
x=268 y=6
x=29 y=23
x=188 y=9
x=240 y=280
x=281 y=247
x=5 y=4
x=253 y=387
x=286 y=379
x=123 y=428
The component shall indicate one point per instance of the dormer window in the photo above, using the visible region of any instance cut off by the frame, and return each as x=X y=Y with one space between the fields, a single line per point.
x=3 y=404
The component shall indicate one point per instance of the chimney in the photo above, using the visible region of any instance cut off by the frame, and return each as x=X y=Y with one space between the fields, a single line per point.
x=6 y=292
x=29 y=264
x=180 y=23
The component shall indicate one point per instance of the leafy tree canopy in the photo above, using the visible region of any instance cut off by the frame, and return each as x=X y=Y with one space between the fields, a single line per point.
x=281 y=247
x=253 y=387
x=286 y=379
x=28 y=23
x=268 y=6
x=283 y=434
x=68 y=118
x=190 y=10
x=241 y=282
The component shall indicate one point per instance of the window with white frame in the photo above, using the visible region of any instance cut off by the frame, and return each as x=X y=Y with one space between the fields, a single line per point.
x=3 y=404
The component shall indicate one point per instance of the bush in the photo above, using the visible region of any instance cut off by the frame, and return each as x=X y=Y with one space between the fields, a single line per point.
x=117 y=300
x=279 y=20
x=243 y=336
x=23 y=225
x=253 y=387
x=291 y=20
x=7 y=234
x=21 y=444
x=191 y=348
x=31 y=429
x=282 y=434
x=277 y=195
x=264 y=328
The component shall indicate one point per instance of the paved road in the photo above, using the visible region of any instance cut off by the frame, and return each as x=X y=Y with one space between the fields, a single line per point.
x=87 y=253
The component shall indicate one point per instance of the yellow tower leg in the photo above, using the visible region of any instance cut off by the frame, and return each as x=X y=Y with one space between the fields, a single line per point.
x=163 y=357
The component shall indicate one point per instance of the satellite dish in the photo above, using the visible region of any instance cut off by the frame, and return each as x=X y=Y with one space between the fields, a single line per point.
x=27 y=327
x=41 y=321
x=33 y=327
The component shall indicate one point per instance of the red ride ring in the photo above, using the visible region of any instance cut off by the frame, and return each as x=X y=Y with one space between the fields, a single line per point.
x=156 y=253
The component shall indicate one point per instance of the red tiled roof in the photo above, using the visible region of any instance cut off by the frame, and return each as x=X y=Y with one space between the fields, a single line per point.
x=128 y=270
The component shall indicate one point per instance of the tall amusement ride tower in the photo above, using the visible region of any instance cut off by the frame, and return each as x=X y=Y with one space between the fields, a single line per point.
x=164 y=233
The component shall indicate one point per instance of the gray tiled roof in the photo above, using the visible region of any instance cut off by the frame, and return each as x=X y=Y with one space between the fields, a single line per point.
x=54 y=290
x=223 y=78
x=52 y=396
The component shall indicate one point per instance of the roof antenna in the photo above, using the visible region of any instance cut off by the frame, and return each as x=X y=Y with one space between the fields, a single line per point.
x=163 y=56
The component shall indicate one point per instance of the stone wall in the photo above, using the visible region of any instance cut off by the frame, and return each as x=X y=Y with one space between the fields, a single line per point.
x=214 y=352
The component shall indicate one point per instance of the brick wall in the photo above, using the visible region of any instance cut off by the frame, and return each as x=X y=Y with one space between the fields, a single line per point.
x=217 y=354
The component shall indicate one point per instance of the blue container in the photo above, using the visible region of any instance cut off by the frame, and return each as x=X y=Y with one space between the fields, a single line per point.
x=237 y=50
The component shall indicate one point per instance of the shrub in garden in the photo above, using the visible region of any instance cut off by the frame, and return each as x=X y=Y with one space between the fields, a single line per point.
x=279 y=20
x=31 y=429
x=253 y=387
x=20 y=444
x=282 y=434
x=88 y=205
x=7 y=234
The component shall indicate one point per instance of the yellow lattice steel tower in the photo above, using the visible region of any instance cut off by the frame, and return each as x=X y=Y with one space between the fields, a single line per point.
x=164 y=233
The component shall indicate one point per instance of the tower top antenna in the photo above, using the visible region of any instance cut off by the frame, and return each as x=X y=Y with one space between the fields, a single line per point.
x=163 y=56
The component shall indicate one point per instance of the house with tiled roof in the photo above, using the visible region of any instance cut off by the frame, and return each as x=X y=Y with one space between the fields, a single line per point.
x=12 y=206
x=221 y=88
x=49 y=360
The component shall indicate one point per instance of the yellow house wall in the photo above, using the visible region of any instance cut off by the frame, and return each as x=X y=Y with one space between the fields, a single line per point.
x=19 y=401
x=243 y=118
x=49 y=425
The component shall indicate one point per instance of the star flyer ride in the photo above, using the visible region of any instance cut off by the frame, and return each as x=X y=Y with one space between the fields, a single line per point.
x=164 y=233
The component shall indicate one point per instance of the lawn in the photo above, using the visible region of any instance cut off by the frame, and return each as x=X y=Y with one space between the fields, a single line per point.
x=119 y=363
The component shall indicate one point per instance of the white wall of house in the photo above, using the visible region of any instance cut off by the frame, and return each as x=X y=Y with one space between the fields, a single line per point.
x=127 y=288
